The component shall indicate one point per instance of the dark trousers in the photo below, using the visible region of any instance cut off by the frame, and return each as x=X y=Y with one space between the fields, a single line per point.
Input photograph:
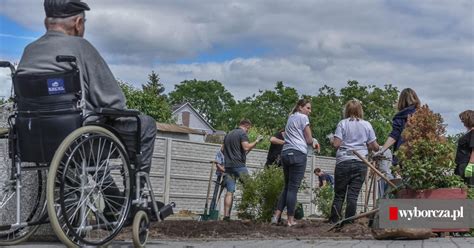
x=128 y=126
x=349 y=176
x=294 y=165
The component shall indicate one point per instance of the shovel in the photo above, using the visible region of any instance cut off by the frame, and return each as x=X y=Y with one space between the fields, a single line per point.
x=213 y=212
x=205 y=215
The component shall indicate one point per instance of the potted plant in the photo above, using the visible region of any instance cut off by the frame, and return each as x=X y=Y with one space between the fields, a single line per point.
x=427 y=159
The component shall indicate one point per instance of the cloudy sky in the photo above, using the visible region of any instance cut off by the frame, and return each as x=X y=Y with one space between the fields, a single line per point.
x=249 y=45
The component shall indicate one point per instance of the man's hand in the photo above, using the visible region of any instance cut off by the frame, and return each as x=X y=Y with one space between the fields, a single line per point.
x=220 y=168
x=259 y=138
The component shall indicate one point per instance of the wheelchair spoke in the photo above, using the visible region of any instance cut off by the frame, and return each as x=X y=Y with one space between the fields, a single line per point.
x=94 y=199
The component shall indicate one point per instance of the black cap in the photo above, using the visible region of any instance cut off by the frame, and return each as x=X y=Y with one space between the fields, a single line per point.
x=64 y=8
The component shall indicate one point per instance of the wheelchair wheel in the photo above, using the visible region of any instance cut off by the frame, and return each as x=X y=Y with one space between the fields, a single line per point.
x=88 y=187
x=32 y=191
x=140 y=229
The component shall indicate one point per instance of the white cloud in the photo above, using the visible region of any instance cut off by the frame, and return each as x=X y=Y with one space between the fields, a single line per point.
x=5 y=85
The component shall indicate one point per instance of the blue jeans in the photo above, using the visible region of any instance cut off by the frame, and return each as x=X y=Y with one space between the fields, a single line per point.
x=349 y=176
x=294 y=165
x=234 y=173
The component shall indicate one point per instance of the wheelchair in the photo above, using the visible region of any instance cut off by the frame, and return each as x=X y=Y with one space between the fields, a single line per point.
x=78 y=172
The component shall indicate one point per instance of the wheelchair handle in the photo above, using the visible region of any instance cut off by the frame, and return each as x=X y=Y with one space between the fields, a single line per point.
x=7 y=64
x=65 y=58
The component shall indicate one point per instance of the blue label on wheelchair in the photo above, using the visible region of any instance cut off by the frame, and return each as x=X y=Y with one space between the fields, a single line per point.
x=56 y=86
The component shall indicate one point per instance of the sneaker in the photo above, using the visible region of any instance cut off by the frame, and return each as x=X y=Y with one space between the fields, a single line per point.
x=276 y=221
x=226 y=218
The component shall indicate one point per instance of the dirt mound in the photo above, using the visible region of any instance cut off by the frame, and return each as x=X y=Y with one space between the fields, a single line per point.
x=241 y=229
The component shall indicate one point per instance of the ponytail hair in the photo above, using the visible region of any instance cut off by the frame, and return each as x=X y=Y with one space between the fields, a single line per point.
x=300 y=103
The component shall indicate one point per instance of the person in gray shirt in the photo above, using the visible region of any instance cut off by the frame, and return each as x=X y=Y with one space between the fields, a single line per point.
x=65 y=24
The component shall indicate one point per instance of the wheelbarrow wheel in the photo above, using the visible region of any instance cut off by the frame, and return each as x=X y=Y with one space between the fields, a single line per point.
x=140 y=229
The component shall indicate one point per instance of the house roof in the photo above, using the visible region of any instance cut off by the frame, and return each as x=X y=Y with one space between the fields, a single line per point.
x=178 y=107
x=173 y=128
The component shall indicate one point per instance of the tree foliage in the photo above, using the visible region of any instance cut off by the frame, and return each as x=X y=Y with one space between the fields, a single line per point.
x=270 y=109
x=209 y=98
x=149 y=100
x=378 y=104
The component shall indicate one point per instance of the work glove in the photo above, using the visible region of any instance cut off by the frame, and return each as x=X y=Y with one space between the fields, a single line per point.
x=316 y=145
x=469 y=170
x=259 y=138
x=379 y=154
x=330 y=137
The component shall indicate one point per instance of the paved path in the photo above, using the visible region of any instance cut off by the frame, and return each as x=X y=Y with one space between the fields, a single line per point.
x=430 y=243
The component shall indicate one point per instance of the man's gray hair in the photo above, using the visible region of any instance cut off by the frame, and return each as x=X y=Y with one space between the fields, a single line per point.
x=65 y=22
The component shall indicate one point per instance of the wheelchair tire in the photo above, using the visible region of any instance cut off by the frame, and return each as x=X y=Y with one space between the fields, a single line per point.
x=29 y=212
x=81 y=207
x=37 y=211
x=140 y=229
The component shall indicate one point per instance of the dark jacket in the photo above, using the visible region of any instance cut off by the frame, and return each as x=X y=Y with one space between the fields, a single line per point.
x=398 y=125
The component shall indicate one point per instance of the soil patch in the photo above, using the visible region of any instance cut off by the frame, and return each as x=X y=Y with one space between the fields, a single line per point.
x=244 y=229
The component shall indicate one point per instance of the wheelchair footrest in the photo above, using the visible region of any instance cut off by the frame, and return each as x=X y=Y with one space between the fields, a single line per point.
x=167 y=210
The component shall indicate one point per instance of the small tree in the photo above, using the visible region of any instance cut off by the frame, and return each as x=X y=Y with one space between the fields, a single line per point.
x=323 y=198
x=260 y=194
x=153 y=86
x=427 y=155
x=149 y=100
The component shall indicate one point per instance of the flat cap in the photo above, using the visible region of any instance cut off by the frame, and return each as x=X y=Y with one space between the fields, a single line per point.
x=64 y=8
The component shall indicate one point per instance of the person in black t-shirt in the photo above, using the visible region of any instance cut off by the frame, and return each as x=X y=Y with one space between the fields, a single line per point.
x=274 y=153
x=235 y=148
x=464 y=153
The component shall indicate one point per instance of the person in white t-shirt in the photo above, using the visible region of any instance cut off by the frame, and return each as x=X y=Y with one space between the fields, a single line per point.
x=293 y=156
x=352 y=134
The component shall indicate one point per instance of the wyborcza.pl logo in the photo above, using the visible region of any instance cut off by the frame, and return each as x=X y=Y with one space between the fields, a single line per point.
x=409 y=214
x=424 y=213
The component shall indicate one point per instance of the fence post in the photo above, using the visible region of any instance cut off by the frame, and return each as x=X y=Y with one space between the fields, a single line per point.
x=311 y=197
x=166 y=193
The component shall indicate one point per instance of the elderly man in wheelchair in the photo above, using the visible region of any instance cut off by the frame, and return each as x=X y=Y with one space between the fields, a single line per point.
x=70 y=120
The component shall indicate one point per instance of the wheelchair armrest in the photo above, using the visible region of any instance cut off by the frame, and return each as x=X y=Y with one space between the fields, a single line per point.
x=117 y=112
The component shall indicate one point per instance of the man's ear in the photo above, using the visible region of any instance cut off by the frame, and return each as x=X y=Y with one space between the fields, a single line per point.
x=78 y=25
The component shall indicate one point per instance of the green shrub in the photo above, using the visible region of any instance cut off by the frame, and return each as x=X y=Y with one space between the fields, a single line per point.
x=426 y=155
x=323 y=198
x=260 y=193
x=470 y=193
